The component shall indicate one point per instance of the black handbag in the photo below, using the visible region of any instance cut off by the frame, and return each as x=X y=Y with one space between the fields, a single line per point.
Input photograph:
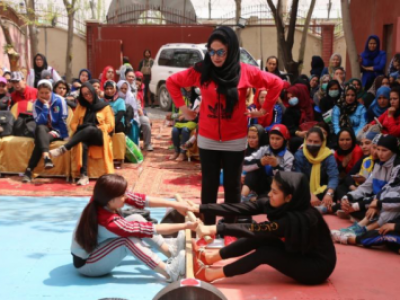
x=6 y=123
x=25 y=125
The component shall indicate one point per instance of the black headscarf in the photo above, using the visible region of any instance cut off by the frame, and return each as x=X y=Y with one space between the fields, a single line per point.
x=91 y=108
x=346 y=110
x=226 y=77
x=329 y=102
x=317 y=65
x=301 y=234
x=262 y=135
x=353 y=139
x=38 y=71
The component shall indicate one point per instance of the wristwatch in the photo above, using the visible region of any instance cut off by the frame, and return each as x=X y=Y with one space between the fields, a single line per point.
x=329 y=194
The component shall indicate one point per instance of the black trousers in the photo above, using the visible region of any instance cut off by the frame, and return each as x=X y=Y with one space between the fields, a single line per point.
x=88 y=136
x=258 y=181
x=119 y=127
x=146 y=81
x=42 y=144
x=305 y=269
x=211 y=163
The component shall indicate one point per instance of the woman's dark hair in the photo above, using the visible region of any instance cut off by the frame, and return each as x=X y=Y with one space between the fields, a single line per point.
x=146 y=50
x=128 y=70
x=276 y=71
x=283 y=185
x=93 y=81
x=324 y=126
x=55 y=86
x=303 y=79
x=396 y=89
x=107 y=188
x=396 y=57
x=125 y=60
x=316 y=130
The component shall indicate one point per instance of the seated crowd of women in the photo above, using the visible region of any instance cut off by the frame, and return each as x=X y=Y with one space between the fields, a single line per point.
x=344 y=139
x=99 y=108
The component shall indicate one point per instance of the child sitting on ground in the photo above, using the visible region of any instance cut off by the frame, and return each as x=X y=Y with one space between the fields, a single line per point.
x=263 y=164
x=379 y=195
x=103 y=237
x=182 y=128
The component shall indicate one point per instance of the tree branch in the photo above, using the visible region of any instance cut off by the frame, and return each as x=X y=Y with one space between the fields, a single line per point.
x=292 y=24
x=304 y=35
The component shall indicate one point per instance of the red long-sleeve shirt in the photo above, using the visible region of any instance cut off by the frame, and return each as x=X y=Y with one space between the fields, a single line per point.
x=29 y=94
x=214 y=122
x=391 y=125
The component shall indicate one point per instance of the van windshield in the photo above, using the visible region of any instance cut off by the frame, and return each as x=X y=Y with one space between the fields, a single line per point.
x=246 y=58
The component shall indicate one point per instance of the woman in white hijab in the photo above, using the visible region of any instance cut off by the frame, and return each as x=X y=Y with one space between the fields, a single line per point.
x=132 y=122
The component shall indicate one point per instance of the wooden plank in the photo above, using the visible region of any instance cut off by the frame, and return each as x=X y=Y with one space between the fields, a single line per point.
x=192 y=218
x=189 y=254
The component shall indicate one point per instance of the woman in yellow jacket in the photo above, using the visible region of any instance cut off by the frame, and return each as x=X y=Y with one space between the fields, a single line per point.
x=92 y=124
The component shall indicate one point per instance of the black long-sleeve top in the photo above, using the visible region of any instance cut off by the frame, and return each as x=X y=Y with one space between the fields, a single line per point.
x=324 y=250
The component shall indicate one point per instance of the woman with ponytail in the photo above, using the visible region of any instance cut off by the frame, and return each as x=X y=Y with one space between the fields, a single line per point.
x=103 y=237
x=222 y=140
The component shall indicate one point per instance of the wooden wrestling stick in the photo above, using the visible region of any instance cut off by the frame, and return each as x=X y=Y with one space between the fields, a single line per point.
x=192 y=218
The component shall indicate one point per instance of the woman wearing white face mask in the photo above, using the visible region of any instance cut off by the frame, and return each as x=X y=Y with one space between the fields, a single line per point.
x=299 y=110
x=317 y=162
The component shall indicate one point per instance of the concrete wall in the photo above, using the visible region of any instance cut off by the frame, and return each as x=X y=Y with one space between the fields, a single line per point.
x=339 y=46
x=55 y=50
x=267 y=44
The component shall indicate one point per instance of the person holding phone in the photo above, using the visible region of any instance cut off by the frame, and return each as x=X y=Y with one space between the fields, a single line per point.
x=317 y=162
x=50 y=113
x=262 y=165
x=362 y=169
x=382 y=185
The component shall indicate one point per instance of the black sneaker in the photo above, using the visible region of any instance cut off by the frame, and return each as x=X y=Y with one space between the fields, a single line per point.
x=27 y=176
x=48 y=163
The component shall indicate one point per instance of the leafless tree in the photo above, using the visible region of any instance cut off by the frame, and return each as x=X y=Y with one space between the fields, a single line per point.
x=286 y=41
x=70 y=6
x=349 y=37
x=31 y=22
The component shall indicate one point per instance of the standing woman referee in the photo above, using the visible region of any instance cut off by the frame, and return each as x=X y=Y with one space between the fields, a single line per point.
x=222 y=138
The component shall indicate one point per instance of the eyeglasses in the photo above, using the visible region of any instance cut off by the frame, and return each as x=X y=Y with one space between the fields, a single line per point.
x=138 y=79
x=61 y=88
x=111 y=71
x=220 y=52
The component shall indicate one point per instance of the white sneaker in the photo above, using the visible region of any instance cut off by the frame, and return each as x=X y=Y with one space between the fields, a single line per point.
x=84 y=180
x=341 y=237
x=177 y=267
x=175 y=245
x=148 y=147
x=57 y=152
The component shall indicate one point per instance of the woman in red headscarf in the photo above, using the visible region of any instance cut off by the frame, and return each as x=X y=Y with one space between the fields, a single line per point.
x=108 y=74
x=299 y=110
x=272 y=117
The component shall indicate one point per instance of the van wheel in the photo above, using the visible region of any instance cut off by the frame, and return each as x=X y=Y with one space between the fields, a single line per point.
x=164 y=98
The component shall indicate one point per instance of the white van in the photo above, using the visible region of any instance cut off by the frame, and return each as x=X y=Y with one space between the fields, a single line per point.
x=172 y=58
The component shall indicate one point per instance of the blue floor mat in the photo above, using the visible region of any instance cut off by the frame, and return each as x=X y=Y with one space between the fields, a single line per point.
x=36 y=261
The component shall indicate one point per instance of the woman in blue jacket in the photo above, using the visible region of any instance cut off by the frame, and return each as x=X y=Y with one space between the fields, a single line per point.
x=348 y=113
x=50 y=113
x=318 y=164
x=372 y=61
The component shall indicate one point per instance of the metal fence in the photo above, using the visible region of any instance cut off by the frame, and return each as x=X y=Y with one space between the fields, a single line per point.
x=262 y=15
x=150 y=14
x=53 y=15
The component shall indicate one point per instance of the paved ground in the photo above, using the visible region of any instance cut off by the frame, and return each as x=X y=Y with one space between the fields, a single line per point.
x=36 y=263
